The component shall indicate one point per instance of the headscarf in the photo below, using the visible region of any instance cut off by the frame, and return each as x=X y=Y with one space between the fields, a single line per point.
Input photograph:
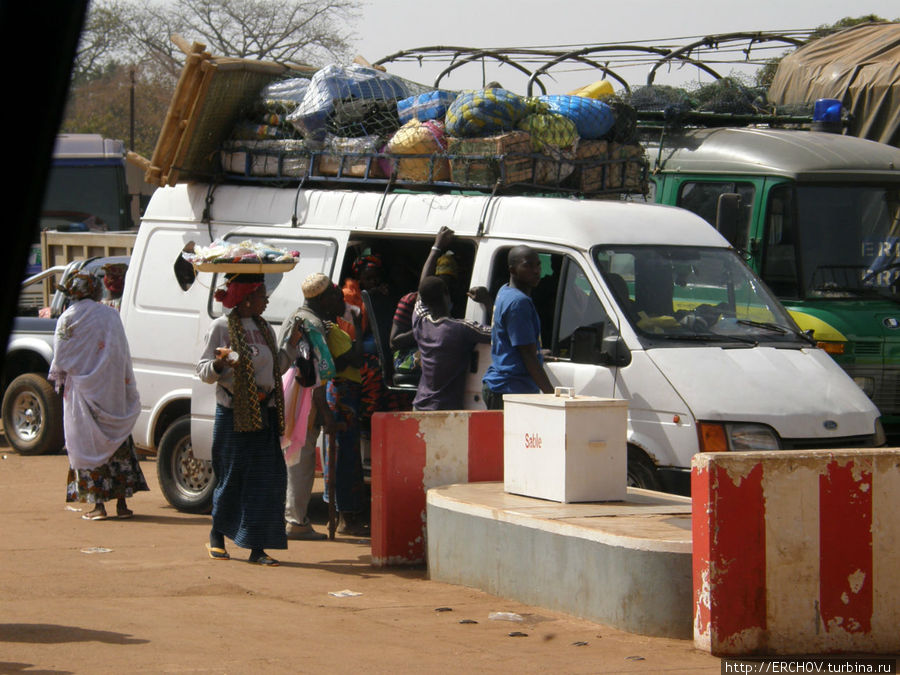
x=447 y=266
x=114 y=277
x=363 y=262
x=237 y=287
x=80 y=286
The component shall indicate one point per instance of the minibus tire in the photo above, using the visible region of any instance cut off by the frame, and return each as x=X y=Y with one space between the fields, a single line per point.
x=187 y=483
x=33 y=416
x=641 y=470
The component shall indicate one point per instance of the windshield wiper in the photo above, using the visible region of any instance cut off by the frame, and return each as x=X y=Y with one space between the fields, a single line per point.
x=775 y=328
x=709 y=337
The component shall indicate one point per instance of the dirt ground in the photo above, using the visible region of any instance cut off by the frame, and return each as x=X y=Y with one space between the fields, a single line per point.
x=141 y=596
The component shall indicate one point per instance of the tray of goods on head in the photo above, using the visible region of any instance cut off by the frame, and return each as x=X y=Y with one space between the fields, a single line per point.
x=246 y=257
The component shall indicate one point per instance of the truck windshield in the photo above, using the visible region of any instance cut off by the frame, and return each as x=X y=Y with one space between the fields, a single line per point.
x=679 y=293
x=93 y=196
x=844 y=240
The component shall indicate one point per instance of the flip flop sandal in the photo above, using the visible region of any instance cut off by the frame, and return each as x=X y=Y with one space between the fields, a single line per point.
x=94 y=515
x=266 y=561
x=217 y=553
x=124 y=515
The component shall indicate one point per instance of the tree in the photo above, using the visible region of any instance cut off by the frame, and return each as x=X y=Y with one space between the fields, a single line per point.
x=125 y=36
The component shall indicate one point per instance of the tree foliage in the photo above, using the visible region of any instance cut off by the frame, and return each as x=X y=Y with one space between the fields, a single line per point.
x=121 y=36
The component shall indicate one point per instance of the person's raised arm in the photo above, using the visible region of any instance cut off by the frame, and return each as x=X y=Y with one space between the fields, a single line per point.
x=442 y=243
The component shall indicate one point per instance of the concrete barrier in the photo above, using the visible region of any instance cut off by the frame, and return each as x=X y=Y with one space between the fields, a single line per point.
x=415 y=451
x=796 y=552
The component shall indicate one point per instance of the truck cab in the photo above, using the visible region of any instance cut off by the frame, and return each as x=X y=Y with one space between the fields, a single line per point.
x=818 y=218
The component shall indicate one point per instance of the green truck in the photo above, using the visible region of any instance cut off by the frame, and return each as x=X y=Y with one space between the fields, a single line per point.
x=817 y=216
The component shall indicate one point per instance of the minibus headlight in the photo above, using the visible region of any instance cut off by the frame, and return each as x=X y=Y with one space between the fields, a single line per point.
x=720 y=437
x=745 y=437
x=880 y=437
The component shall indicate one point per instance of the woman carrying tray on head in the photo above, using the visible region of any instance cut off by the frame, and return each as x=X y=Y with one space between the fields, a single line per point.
x=241 y=358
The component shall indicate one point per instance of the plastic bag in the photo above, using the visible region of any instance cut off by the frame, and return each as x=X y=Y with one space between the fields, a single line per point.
x=484 y=113
x=341 y=85
x=592 y=118
x=420 y=138
x=431 y=105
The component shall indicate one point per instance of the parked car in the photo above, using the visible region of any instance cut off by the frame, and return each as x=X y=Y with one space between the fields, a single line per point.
x=31 y=408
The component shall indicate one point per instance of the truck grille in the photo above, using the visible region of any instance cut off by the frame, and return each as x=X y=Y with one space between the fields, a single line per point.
x=872 y=348
x=887 y=386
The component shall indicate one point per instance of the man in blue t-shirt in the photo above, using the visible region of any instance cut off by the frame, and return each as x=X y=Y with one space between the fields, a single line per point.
x=517 y=366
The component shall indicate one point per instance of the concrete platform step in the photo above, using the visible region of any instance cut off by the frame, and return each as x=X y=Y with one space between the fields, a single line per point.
x=625 y=564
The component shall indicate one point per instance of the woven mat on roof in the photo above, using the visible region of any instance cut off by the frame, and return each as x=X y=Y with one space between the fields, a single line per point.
x=231 y=91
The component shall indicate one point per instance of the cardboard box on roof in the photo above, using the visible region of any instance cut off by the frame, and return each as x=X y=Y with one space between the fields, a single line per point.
x=211 y=94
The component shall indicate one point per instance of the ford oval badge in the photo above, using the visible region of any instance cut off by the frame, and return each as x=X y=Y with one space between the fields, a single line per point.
x=831 y=425
x=891 y=322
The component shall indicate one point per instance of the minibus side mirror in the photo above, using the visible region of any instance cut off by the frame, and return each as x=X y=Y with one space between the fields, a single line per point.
x=614 y=352
x=589 y=345
x=728 y=217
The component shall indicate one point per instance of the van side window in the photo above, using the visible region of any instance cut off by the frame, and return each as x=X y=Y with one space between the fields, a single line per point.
x=702 y=197
x=779 y=267
x=581 y=312
x=566 y=302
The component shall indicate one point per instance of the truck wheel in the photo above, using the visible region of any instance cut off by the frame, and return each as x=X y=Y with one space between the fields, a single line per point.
x=186 y=482
x=641 y=470
x=33 y=416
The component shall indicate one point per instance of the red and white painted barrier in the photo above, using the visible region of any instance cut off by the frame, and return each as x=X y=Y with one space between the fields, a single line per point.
x=797 y=552
x=415 y=451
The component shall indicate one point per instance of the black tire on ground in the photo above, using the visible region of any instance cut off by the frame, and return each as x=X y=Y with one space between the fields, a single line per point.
x=641 y=470
x=186 y=482
x=33 y=415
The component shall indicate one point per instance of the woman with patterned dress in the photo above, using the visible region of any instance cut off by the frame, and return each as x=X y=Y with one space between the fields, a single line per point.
x=92 y=368
x=242 y=359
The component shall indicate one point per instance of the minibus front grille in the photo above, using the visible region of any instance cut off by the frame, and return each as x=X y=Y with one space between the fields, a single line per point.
x=827 y=444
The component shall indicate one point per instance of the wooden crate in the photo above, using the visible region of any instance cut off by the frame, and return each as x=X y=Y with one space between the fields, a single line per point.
x=590 y=166
x=627 y=169
x=484 y=161
x=275 y=158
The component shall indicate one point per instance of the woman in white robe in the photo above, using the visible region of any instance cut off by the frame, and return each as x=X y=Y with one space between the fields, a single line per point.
x=92 y=369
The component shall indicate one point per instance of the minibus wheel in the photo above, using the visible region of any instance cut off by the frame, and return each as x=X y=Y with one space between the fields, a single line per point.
x=186 y=482
x=641 y=470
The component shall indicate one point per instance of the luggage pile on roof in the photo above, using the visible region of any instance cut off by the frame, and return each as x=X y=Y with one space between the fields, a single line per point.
x=240 y=120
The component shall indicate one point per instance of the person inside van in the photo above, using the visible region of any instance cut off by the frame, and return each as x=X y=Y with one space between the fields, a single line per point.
x=517 y=365
x=367 y=274
x=445 y=345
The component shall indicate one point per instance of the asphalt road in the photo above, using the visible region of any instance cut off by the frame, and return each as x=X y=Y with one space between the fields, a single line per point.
x=141 y=596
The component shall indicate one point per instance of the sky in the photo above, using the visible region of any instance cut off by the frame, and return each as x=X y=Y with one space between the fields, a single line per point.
x=389 y=26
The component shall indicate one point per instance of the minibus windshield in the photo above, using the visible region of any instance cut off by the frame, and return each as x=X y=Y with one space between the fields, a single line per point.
x=681 y=293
